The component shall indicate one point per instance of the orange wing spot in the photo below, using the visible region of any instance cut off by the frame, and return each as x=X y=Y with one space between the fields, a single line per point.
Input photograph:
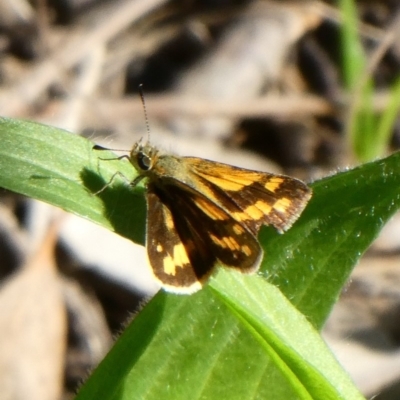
x=246 y=250
x=224 y=184
x=231 y=242
x=241 y=176
x=282 y=204
x=169 y=266
x=240 y=216
x=180 y=256
x=219 y=242
x=249 y=213
x=208 y=193
x=226 y=242
x=238 y=229
x=179 y=259
x=254 y=212
x=273 y=184
x=169 y=222
x=210 y=209
x=264 y=207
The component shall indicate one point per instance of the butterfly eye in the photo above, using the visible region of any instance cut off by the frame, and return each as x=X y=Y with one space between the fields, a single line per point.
x=144 y=161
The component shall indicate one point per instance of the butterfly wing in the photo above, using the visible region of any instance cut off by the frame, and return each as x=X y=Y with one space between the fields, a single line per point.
x=252 y=198
x=188 y=235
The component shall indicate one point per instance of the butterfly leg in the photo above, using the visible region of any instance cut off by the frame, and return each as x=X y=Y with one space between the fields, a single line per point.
x=109 y=183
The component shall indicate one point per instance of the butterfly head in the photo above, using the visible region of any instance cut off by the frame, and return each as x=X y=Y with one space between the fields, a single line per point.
x=143 y=157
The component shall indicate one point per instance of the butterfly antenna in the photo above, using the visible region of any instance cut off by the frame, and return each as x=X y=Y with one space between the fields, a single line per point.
x=146 y=118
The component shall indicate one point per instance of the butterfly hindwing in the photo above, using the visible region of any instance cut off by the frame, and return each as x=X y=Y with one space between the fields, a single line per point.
x=167 y=255
x=188 y=235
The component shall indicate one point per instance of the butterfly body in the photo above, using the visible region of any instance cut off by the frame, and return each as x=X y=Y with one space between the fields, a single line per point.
x=201 y=214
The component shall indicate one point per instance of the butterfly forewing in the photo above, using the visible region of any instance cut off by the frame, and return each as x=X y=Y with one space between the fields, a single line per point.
x=258 y=198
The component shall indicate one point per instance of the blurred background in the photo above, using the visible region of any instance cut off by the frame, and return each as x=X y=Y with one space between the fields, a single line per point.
x=305 y=88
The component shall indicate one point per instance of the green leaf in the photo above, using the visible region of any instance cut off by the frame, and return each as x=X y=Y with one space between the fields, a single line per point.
x=353 y=57
x=387 y=121
x=60 y=168
x=239 y=337
x=211 y=345
x=369 y=135
x=312 y=261
x=361 y=121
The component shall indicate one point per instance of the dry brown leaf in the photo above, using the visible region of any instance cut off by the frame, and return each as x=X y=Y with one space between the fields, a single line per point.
x=33 y=328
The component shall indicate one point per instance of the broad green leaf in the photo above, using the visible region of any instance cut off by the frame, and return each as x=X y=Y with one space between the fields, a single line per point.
x=312 y=261
x=60 y=168
x=212 y=345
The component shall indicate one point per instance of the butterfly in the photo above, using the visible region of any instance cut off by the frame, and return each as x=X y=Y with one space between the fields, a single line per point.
x=202 y=214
